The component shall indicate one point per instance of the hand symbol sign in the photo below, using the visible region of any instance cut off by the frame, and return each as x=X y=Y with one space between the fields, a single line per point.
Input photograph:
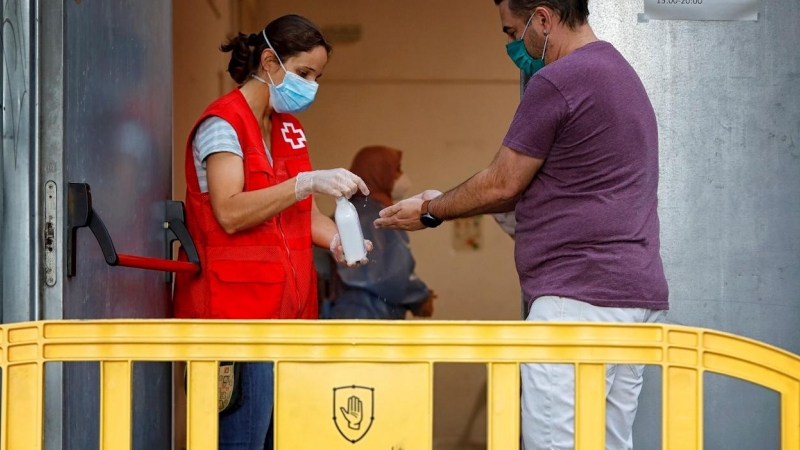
x=353 y=413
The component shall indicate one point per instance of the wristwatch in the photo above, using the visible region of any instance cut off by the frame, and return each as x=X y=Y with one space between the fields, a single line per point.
x=428 y=219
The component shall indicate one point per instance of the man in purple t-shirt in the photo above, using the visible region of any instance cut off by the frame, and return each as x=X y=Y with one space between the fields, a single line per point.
x=579 y=165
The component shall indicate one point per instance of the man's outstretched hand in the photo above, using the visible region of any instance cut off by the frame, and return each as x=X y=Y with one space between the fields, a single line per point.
x=404 y=215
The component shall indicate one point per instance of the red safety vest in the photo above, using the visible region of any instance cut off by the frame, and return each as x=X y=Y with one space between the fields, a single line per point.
x=267 y=271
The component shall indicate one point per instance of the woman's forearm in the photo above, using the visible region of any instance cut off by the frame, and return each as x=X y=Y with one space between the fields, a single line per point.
x=248 y=209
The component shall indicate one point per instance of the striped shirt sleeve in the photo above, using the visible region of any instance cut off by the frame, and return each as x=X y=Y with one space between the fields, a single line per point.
x=214 y=135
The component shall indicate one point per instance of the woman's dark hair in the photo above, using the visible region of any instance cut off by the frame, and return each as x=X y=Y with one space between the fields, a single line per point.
x=289 y=35
x=571 y=12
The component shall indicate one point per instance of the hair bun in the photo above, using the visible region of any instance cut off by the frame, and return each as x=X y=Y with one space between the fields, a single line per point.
x=252 y=40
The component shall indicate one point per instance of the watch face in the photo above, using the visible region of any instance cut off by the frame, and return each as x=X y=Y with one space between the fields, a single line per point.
x=430 y=221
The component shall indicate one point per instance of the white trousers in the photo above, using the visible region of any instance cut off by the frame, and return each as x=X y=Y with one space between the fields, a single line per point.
x=548 y=390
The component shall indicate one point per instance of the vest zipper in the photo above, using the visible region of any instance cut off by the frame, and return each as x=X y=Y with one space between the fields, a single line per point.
x=291 y=263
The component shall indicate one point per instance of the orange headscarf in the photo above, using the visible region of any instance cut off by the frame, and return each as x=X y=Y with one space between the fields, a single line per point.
x=378 y=166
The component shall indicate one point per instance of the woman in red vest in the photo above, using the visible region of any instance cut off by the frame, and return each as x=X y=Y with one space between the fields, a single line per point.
x=249 y=204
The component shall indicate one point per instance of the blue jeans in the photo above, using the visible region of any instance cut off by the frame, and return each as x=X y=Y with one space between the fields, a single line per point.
x=247 y=428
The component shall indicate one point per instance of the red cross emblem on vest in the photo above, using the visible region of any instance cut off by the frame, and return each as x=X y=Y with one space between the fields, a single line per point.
x=294 y=137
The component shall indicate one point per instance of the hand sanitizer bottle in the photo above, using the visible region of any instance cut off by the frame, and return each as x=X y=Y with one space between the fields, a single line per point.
x=350 y=232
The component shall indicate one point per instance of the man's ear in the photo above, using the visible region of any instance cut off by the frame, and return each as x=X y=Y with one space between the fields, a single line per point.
x=544 y=17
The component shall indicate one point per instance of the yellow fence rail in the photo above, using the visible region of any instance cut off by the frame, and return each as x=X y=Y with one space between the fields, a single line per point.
x=357 y=385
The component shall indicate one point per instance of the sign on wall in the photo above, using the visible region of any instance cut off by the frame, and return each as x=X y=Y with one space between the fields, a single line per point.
x=701 y=9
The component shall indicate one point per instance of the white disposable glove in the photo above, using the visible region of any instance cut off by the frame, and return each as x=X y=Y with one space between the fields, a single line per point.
x=334 y=182
x=338 y=251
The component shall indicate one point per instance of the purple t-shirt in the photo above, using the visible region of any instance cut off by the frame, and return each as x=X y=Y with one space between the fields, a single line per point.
x=587 y=225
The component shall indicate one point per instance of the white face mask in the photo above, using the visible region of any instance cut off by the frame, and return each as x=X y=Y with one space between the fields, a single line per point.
x=401 y=187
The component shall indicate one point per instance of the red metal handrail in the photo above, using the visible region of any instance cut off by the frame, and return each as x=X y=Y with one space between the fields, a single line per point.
x=143 y=262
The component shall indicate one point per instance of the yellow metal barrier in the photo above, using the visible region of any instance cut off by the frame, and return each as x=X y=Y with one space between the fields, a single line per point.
x=356 y=385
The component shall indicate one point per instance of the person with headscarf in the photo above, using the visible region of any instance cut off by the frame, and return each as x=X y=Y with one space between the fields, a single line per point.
x=387 y=287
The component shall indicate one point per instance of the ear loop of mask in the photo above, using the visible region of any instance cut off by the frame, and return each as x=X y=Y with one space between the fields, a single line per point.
x=546 y=37
x=526 y=28
x=263 y=33
x=544 y=49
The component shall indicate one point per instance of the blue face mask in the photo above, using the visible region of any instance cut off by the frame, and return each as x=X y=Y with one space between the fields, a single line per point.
x=295 y=94
x=519 y=54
